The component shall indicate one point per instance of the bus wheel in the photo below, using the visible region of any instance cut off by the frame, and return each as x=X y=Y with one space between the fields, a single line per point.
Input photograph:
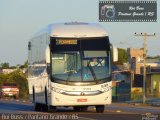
x=2 y=96
x=76 y=108
x=52 y=109
x=17 y=97
x=45 y=108
x=33 y=94
x=100 y=108
x=84 y=108
x=37 y=107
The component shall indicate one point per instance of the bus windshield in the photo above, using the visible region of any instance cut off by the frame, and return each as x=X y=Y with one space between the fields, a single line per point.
x=80 y=66
x=80 y=59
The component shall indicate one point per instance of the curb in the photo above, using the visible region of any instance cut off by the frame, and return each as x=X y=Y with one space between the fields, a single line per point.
x=17 y=100
x=149 y=103
x=155 y=104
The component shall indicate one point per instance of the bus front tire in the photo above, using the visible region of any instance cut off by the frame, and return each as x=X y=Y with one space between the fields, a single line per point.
x=52 y=109
x=80 y=108
x=77 y=108
x=100 y=108
x=37 y=107
x=45 y=108
x=84 y=108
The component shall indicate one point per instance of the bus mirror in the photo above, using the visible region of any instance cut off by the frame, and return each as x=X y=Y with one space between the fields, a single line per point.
x=47 y=55
x=48 y=68
x=115 y=54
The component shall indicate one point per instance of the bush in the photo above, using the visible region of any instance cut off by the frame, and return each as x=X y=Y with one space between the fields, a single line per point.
x=3 y=78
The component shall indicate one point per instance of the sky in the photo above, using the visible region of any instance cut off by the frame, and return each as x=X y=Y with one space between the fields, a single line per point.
x=20 y=19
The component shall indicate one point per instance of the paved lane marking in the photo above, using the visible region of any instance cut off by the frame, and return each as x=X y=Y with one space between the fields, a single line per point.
x=118 y=111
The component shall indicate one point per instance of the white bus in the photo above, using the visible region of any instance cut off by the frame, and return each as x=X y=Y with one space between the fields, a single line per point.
x=70 y=65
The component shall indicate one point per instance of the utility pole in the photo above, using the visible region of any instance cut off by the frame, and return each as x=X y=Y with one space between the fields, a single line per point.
x=145 y=35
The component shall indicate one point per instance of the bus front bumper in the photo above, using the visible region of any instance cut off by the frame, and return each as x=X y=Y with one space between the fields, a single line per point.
x=58 y=99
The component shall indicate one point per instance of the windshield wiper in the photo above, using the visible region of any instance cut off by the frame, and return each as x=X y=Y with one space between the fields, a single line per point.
x=70 y=74
x=92 y=71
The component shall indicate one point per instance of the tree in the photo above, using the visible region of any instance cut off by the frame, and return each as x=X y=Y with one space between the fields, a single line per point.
x=26 y=64
x=5 y=65
x=153 y=57
x=21 y=80
x=122 y=56
x=3 y=78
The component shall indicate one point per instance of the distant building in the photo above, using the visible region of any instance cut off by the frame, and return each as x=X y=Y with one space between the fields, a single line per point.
x=121 y=73
x=7 y=71
x=121 y=83
x=152 y=81
x=135 y=57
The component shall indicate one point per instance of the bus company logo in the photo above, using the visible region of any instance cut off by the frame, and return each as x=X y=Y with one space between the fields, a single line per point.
x=149 y=116
x=82 y=93
x=108 y=11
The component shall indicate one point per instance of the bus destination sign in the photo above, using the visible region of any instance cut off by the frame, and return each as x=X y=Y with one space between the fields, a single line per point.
x=66 y=42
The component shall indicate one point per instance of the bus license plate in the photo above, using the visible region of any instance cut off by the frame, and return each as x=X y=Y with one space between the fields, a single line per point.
x=82 y=100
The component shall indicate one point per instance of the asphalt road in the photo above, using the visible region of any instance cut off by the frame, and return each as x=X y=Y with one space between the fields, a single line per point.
x=10 y=109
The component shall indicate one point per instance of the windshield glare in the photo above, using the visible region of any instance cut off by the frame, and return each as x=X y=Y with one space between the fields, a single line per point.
x=80 y=66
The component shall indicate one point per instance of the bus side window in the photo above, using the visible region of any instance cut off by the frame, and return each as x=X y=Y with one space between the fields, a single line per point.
x=58 y=64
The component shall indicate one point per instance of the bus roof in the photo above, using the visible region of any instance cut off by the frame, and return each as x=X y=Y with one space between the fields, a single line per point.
x=74 y=30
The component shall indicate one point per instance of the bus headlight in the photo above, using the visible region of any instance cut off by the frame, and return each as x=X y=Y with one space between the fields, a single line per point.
x=57 y=90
